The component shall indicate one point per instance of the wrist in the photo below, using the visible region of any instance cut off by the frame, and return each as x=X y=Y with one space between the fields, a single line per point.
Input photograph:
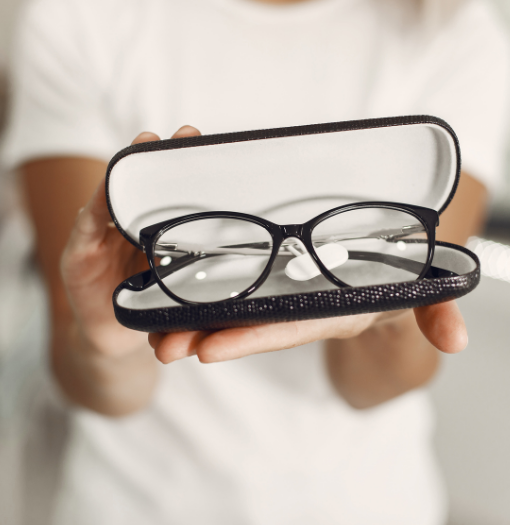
x=109 y=382
x=115 y=344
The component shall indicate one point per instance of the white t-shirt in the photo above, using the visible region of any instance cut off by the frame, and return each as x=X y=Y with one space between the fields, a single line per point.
x=264 y=439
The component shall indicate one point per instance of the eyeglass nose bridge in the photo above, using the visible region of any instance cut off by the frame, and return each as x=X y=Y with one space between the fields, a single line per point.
x=292 y=230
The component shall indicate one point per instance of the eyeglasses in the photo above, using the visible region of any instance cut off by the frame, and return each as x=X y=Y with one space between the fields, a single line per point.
x=220 y=256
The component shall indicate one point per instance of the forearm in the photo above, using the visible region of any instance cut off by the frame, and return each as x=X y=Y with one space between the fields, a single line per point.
x=112 y=370
x=112 y=385
x=394 y=357
x=385 y=361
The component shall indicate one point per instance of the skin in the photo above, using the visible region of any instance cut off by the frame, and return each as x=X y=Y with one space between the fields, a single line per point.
x=107 y=368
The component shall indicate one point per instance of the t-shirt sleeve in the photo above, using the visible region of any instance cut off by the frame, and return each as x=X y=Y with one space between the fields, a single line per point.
x=58 y=97
x=470 y=89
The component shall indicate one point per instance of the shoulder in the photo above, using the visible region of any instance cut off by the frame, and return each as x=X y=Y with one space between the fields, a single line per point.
x=112 y=11
x=480 y=14
x=93 y=17
x=77 y=35
x=478 y=27
x=92 y=8
x=106 y=24
x=472 y=81
x=471 y=46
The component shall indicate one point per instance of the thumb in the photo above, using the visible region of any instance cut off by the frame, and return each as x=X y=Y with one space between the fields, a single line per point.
x=442 y=324
x=92 y=222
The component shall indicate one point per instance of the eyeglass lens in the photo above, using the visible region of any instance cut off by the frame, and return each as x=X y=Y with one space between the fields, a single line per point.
x=212 y=259
x=383 y=246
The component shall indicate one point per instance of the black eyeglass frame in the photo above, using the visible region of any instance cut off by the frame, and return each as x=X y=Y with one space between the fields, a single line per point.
x=429 y=218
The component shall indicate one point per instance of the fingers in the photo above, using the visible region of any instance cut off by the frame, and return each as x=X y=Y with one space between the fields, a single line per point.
x=240 y=342
x=186 y=131
x=145 y=136
x=172 y=347
x=443 y=325
x=234 y=343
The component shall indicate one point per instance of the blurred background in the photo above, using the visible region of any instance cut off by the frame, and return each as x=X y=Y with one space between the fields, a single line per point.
x=471 y=392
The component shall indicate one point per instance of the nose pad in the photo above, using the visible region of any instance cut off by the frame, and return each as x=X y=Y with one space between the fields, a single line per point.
x=298 y=250
x=304 y=268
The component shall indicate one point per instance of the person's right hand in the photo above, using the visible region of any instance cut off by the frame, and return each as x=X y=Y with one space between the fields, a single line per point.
x=96 y=260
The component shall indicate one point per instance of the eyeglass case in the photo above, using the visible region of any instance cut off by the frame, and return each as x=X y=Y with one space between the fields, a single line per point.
x=288 y=175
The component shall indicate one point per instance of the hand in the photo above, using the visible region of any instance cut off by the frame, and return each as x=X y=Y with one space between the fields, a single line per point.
x=96 y=259
x=98 y=363
x=441 y=324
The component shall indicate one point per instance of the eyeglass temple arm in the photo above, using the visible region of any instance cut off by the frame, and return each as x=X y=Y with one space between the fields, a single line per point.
x=255 y=248
x=145 y=279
